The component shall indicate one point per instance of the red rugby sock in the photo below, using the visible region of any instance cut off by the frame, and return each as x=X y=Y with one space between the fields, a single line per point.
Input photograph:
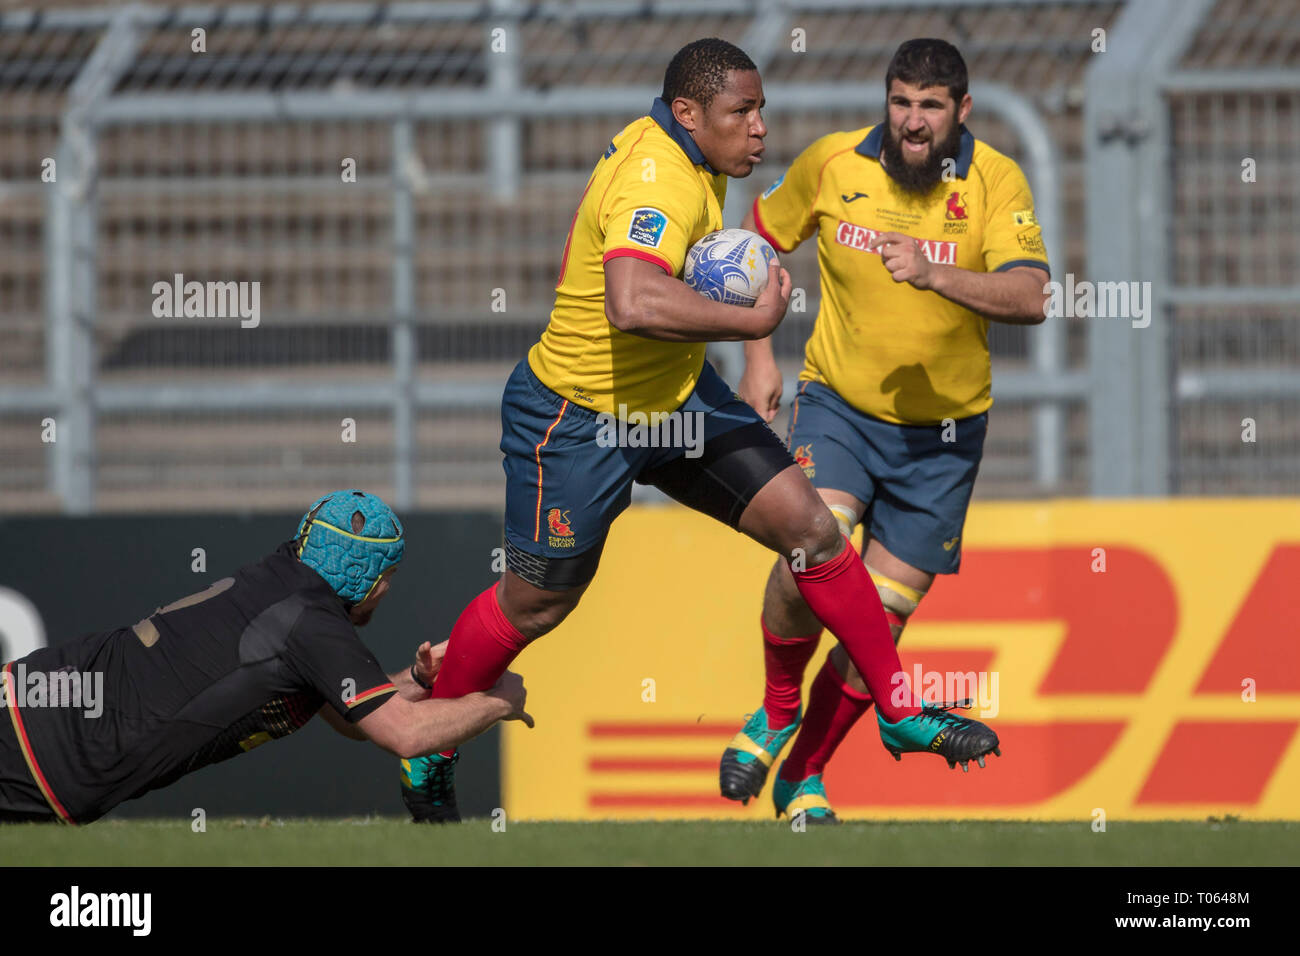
x=482 y=645
x=842 y=595
x=833 y=707
x=784 y=661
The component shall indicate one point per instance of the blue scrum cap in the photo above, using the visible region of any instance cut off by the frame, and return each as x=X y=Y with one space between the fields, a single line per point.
x=350 y=539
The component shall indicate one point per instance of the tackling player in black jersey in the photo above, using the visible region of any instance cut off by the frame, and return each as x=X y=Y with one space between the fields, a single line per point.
x=250 y=659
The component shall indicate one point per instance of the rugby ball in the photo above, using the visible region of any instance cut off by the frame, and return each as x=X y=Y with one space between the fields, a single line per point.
x=729 y=266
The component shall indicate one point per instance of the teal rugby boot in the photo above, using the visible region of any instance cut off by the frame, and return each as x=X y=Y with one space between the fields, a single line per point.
x=808 y=795
x=429 y=788
x=935 y=729
x=750 y=754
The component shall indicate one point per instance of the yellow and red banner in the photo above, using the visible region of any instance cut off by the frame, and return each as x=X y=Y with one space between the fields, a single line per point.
x=1146 y=657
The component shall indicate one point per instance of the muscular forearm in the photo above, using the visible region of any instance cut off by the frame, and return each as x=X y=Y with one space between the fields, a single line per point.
x=439 y=724
x=669 y=310
x=1015 y=296
x=408 y=688
x=758 y=352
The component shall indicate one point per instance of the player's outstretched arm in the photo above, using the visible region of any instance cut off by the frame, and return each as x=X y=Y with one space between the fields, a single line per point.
x=641 y=299
x=335 y=720
x=419 y=728
x=428 y=660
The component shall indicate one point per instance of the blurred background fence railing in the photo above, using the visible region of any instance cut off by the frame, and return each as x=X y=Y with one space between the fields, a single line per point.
x=399 y=179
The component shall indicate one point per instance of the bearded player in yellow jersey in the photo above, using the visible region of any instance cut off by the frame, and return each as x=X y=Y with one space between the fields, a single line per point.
x=924 y=236
x=627 y=338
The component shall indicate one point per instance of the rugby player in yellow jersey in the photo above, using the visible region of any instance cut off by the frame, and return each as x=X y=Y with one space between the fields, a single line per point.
x=891 y=409
x=626 y=340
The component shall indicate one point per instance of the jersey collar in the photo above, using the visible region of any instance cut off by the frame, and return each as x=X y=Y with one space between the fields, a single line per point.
x=871 y=147
x=662 y=114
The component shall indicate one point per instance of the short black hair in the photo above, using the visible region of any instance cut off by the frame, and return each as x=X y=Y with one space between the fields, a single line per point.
x=698 y=71
x=929 y=62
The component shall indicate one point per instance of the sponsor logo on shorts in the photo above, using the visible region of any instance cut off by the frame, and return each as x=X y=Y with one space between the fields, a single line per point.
x=941 y=252
x=772 y=188
x=949 y=545
x=560 y=533
x=647 y=228
x=804 y=459
x=956 y=207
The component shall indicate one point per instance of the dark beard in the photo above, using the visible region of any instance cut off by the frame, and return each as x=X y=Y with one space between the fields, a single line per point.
x=923 y=178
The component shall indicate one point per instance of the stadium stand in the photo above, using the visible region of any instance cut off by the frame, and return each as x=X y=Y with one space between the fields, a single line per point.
x=262 y=199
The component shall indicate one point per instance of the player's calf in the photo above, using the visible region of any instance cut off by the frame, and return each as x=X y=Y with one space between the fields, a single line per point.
x=533 y=610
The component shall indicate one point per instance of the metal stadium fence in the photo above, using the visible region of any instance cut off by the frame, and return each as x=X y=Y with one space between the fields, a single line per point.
x=393 y=183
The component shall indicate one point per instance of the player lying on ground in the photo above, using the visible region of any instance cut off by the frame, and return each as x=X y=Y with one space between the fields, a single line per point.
x=891 y=412
x=627 y=337
x=248 y=660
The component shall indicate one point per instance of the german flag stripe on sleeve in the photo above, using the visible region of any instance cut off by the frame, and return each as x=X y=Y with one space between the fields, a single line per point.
x=371 y=694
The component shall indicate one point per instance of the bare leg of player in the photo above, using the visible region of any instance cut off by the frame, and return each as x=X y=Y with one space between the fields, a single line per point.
x=788 y=516
x=488 y=635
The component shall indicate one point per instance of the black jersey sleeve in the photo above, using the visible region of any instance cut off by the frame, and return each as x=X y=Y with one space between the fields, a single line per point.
x=326 y=652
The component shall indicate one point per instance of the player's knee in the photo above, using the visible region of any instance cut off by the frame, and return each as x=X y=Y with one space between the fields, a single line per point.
x=819 y=537
x=804 y=533
x=898 y=600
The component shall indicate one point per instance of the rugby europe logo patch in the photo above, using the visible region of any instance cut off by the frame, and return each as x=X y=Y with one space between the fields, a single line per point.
x=647 y=228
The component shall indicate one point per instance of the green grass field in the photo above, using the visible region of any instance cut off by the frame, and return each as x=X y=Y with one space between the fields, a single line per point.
x=392 y=842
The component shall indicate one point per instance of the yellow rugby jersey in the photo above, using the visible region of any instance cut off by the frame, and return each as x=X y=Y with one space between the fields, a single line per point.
x=899 y=353
x=652 y=196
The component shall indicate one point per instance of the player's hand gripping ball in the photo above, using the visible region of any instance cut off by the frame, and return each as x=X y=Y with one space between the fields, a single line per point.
x=729 y=266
